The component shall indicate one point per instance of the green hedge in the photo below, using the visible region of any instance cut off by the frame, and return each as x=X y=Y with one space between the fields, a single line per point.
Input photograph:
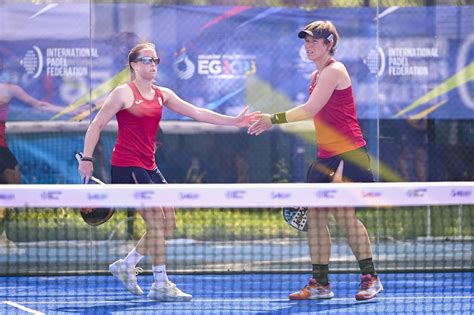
x=233 y=224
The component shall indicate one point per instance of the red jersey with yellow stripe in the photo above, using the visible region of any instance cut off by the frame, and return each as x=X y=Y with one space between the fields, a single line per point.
x=137 y=129
x=336 y=124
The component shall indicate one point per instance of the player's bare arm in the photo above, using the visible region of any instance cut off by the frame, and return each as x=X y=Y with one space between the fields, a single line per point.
x=121 y=97
x=20 y=94
x=178 y=105
x=328 y=81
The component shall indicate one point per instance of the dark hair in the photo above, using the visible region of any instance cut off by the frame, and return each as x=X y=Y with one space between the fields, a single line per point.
x=322 y=29
x=135 y=53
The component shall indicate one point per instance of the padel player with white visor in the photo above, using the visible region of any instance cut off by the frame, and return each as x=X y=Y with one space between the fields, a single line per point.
x=342 y=157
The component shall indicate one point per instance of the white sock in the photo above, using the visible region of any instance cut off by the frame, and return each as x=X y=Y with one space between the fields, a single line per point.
x=133 y=258
x=159 y=274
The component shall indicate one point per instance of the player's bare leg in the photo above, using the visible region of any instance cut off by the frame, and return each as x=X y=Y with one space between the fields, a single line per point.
x=170 y=220
x=160 y=223
x=347 y=220
x=359 y=243
x=8 y=176
x=319 y=240
x=153 y=241
x=355 y=232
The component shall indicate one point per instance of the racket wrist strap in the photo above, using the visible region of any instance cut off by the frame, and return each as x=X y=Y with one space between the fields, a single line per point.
x=279 y=118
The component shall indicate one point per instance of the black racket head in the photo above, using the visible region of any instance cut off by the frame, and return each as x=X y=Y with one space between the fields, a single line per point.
x=296 y=217
x=96 y=216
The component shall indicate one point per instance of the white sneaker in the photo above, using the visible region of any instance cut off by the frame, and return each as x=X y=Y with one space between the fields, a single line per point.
x=167 y=292
x=369 y=287
x=128 y=276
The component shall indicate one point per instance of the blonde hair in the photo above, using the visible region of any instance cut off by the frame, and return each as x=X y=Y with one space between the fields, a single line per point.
x=135 y=53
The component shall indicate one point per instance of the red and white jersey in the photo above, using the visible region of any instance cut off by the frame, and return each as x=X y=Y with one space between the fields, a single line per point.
x=137 y=129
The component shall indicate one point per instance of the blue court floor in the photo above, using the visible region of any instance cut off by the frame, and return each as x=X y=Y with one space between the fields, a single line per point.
x=421 y=293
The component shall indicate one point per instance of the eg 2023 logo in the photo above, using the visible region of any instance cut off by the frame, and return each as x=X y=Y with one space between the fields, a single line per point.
x=216 y=66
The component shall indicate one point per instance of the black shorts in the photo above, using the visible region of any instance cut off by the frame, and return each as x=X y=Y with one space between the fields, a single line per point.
x=356 y=168
x=7 y=159
x=136 y=175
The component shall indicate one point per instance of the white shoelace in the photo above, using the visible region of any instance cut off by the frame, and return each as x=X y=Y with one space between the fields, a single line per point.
x=138 y=270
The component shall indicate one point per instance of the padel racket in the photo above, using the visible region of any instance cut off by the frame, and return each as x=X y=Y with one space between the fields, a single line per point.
x=296 y=217
x=95 y=216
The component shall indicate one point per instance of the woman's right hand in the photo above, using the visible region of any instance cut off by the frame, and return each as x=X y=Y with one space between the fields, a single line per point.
x=86 y=169
x=261 y=125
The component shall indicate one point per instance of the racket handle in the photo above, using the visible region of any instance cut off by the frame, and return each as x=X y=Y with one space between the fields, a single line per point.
x=98 y=181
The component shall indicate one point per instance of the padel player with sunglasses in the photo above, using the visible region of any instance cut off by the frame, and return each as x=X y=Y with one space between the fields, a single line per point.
x=138 y=107
x=342 y=157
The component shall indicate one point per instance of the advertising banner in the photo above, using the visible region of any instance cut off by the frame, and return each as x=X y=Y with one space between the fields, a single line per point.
x=404 y=62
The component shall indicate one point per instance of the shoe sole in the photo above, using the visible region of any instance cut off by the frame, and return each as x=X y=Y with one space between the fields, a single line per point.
x=325 y=297
x=365 y=298
x=171 y=299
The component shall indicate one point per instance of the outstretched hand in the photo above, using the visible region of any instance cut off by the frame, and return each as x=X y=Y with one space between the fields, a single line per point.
x=263 y=124
x=244 y=119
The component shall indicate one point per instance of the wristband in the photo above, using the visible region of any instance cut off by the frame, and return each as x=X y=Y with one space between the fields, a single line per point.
x=86 y=158
x=279 y=118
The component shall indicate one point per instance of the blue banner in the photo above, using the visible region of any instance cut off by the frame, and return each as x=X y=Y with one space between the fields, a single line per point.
x=404 y=62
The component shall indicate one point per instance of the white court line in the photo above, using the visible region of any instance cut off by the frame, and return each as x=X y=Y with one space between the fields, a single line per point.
x=224 y=299
x=46 y=8
x=23 y=308
x=388 y=11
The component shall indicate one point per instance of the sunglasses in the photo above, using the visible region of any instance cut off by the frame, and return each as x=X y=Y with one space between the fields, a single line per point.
x=148 y=60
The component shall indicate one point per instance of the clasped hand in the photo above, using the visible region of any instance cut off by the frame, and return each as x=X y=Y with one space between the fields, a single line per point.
x=263 y=124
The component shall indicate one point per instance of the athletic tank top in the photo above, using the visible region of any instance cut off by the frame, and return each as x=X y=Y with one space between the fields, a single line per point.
x=3 y=119
x=336 y=124
x=137 y=128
